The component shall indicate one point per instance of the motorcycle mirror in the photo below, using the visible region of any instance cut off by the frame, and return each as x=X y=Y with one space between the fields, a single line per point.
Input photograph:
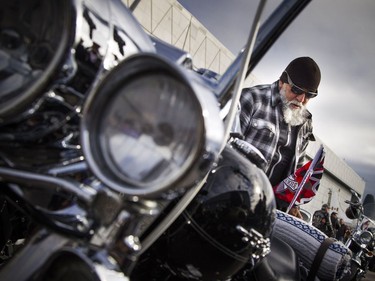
x=355 y=197
x=355 y=208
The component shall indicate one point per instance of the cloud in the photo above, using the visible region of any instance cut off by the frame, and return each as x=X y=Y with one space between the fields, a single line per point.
x=367 y=173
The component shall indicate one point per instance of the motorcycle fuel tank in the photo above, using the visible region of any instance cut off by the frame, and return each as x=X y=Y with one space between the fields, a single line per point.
x=225 y=227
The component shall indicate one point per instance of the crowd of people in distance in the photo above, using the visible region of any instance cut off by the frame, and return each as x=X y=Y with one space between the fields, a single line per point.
x=330 y=224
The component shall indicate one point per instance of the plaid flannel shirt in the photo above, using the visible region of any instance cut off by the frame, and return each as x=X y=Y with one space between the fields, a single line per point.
x=260 y=118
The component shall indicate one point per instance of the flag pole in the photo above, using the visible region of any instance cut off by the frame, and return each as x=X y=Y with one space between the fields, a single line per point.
x=306 y=177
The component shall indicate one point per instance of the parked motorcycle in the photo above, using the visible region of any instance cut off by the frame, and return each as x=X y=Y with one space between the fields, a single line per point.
x=362 y=239
x=115 y=162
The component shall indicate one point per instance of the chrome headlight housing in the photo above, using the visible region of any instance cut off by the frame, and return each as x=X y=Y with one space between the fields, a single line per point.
x=35 y=37
x=365 y=238
x=148 y=127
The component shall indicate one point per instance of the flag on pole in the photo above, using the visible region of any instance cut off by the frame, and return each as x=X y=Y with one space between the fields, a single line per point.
x=301 y=186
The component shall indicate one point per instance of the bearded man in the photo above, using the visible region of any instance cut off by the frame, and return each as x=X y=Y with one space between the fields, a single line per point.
x=275 y=121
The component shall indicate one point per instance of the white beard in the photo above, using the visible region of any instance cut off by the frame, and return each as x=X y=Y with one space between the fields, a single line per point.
x=293 y=117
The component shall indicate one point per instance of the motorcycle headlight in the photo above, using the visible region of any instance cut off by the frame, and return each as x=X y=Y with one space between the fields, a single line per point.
x=34 y=39
x=144 y=128
x=365 y=237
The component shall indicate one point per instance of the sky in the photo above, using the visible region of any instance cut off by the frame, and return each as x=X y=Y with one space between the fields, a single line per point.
x=340 y=36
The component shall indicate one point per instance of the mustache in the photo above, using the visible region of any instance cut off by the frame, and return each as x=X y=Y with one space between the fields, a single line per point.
x=296 y=103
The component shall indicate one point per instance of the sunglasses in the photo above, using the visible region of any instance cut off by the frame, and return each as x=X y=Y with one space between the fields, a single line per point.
x=299 y=91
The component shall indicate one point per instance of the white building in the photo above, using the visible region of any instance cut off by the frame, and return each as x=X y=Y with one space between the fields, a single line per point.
x=169 y=21
x=337 y=182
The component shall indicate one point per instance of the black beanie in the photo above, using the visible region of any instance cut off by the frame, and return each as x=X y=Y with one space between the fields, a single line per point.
x=305 y=73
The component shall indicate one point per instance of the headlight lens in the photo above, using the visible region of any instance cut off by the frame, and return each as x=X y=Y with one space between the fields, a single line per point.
x=144 y=128
x=365 y=237
x=150 y=129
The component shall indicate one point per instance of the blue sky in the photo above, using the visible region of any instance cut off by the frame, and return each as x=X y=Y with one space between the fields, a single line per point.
x=340 y=36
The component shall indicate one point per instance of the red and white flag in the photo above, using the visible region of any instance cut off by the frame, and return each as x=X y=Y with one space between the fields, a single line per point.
x=301 y=186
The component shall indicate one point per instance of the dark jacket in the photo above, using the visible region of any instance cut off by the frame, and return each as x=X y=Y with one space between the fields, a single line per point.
x=322 y=221
x=340 y=234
